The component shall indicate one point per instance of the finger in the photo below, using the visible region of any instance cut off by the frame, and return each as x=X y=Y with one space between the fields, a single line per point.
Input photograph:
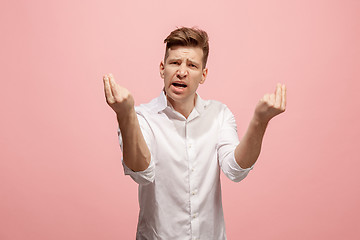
x=107 y=87
x=272 y=99
x=283 y=97
x=278 y=96
x=265 y=98
x=114 y=86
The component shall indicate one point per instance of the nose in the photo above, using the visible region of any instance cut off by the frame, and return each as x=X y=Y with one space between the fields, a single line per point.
x=182 y=72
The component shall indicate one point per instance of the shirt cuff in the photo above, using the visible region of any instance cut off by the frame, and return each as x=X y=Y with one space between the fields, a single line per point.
x=235 y=172
x=141 y=177
x=237 y=167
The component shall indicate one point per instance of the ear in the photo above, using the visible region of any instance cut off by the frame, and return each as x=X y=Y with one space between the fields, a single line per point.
x=204 y=75
x=162 y=68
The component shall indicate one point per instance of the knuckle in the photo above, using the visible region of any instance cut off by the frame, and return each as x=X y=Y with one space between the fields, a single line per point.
x=269 y=104
x=119 y=99
x=110 y=101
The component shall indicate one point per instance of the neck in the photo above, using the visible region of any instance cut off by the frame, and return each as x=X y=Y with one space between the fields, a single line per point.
x=184 y=108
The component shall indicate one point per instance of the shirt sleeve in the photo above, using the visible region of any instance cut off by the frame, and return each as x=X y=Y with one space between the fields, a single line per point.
x=148 y=175
x=227 y=143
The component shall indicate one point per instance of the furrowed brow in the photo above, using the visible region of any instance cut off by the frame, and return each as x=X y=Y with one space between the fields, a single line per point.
x=174 y=59
x=193 y=62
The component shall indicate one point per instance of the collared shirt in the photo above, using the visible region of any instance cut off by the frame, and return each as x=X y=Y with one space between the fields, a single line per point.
x=180 y=192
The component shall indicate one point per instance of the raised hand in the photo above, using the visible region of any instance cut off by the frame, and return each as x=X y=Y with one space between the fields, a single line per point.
x=135 y=151
x=118 y=98
x=271 y=104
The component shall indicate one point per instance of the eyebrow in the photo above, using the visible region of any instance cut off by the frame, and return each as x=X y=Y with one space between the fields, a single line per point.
x=187 y=60
x=193 y=62
x=173 y=59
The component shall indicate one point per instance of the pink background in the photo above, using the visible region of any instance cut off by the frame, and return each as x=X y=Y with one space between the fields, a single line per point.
x=60 y=170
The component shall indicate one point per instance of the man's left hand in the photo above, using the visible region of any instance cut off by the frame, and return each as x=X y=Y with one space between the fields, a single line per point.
x=271 y=104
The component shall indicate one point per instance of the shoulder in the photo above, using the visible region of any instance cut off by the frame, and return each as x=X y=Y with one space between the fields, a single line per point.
x=221 y=112
x=217 y=106
x=148 y=108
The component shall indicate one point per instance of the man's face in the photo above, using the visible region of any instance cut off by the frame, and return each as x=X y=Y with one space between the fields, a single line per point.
x=182 y=72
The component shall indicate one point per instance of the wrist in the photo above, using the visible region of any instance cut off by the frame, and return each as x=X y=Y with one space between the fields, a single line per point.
x=259 y=121
x=124 y=118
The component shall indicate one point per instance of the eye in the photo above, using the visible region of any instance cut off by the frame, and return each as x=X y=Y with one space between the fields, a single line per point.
x=192 y=65
x=176 y=63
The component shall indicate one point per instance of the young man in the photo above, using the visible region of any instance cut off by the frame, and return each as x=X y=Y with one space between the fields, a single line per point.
x=175 y=146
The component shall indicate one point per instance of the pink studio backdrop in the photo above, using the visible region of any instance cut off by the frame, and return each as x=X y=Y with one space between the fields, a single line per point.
x=60 y=170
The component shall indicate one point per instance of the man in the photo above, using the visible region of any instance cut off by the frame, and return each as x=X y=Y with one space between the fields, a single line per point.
x=175 y=146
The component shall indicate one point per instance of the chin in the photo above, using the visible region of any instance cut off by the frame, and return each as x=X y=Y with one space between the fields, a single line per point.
x=174 y=97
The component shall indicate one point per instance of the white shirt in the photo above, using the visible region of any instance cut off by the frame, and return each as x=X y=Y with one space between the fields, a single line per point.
x=180 y=192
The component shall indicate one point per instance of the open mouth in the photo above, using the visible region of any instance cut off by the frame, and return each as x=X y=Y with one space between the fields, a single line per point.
x=179 y=85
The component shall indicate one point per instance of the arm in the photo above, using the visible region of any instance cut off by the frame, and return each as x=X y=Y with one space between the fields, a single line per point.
x=135 y=151
x=248 y=150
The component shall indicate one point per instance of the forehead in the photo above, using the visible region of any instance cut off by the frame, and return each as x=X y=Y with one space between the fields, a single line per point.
x=185 y=52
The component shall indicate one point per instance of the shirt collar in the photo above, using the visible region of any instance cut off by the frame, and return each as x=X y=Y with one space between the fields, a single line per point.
x=163 y=103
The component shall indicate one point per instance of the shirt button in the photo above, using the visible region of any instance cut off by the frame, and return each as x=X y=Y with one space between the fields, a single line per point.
x=192 y=169
x=194 y=192
x=195 y=215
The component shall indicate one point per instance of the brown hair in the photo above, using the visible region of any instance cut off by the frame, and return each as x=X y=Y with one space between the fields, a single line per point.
x=190 y=37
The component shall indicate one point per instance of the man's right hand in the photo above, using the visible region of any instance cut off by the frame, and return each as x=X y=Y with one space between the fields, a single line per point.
x=118 y=98
x=136 y=153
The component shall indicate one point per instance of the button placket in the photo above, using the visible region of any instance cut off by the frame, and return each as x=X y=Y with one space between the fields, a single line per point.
x=193 y=182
